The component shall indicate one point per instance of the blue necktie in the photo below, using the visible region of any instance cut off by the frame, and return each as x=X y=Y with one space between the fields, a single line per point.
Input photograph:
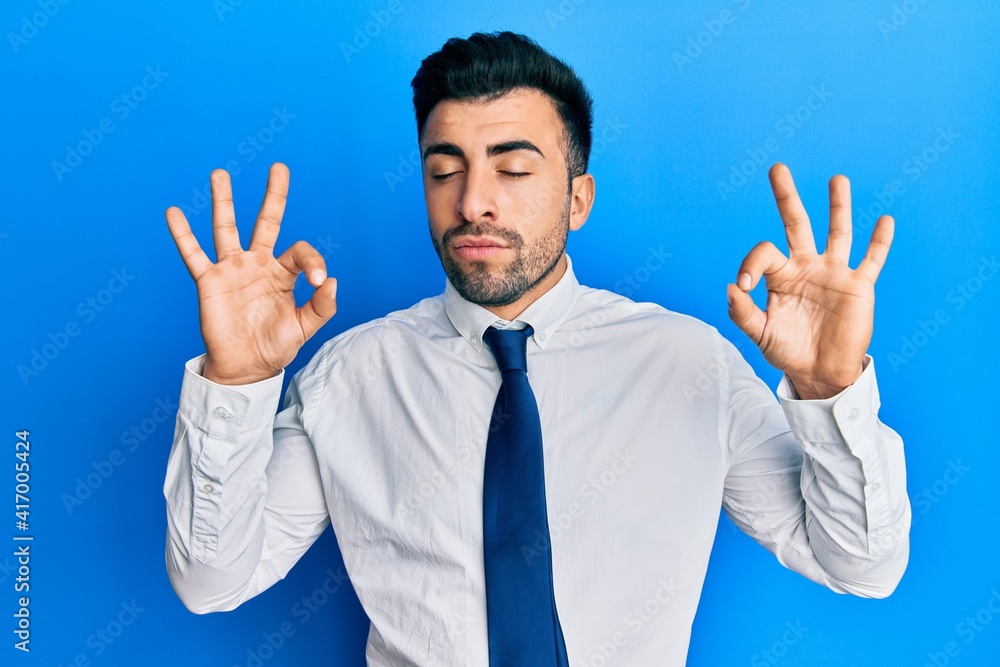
x=520 y=604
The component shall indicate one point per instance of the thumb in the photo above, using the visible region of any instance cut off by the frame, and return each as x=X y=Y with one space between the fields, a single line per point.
x=745 y=313
x=319 y=309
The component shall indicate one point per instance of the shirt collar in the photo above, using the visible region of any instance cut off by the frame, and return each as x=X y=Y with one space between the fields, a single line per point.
x=544 y=315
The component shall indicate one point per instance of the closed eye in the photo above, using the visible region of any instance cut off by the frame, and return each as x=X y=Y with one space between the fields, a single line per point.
x=444 y=177
x=516 y=174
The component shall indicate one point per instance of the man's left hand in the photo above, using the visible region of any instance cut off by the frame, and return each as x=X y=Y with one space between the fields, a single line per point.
x=818 y=321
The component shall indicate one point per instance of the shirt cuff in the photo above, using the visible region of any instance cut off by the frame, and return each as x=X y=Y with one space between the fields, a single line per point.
x=846 y=416
x=225 y=410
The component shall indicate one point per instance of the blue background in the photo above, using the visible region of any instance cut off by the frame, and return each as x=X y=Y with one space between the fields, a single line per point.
x=687 y=97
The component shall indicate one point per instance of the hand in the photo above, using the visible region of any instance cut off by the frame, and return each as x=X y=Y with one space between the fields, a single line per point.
x=249 y=321
x=818 y=321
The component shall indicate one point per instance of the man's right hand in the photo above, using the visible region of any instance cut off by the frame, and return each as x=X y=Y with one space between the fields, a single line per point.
x=249 y=321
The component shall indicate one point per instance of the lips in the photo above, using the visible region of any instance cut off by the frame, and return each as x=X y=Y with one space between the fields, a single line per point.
x=477 y=248
x=469 y=242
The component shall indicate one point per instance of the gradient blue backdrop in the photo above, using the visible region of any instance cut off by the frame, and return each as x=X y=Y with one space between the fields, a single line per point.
x=116 y=110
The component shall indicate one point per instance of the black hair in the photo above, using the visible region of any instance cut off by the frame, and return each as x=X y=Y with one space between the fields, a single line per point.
x=487 y=66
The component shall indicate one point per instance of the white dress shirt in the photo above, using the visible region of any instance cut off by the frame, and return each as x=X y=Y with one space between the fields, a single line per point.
x=650 y=421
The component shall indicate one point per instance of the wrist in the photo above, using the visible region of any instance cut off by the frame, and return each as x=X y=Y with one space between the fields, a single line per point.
x=810 y=388
x=217 y=375
x=812 y=391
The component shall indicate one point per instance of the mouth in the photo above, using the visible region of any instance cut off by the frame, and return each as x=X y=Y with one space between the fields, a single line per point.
x=469 y=247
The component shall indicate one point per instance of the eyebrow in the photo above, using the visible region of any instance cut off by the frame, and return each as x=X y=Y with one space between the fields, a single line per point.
x=492 y=150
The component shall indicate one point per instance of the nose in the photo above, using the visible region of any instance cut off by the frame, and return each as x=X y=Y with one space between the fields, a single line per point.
x=478 y=201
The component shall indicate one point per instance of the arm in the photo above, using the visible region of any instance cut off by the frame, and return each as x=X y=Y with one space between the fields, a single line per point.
x=827 y=497
x=244 y=495
x=846 y=522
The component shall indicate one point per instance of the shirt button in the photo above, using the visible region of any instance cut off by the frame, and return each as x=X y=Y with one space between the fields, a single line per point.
x=475 y=340
x=854 y=413
x=222 y=413
x=875 y=487
x=208 y=488
x=541 y=337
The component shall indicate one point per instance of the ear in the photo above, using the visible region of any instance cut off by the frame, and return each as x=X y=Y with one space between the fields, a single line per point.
x=581 y=201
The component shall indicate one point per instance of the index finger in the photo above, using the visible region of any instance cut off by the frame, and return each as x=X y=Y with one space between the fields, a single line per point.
x=798 y=231
x=265 y=230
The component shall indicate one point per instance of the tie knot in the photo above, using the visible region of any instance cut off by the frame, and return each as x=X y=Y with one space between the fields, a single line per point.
x=509 y=347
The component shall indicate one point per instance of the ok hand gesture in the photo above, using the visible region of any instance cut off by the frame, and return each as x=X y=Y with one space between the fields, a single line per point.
x=249 y=321
x=818 y=321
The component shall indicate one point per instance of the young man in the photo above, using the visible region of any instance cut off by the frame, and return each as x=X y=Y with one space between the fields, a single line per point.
x=488 y=516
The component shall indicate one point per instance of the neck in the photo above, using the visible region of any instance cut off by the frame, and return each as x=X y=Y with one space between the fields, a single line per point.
x=512 y=310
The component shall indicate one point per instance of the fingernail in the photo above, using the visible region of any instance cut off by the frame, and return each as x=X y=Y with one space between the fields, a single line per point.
x=744 y=281
x=318 y=277
x=729 y=298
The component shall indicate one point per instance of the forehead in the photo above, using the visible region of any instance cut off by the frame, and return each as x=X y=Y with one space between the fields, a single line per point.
x=523 y=113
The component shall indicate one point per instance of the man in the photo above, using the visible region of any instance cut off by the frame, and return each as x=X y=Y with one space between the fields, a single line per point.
x=488 y=516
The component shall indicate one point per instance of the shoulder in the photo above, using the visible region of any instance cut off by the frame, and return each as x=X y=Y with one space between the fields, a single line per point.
x=598 y=307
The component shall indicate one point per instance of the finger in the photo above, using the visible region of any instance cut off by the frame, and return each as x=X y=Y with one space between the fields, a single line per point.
x=227 y=238
x=319 y=309
x=838 y=242
x=195 y=259
x=745 y=313
x=878 y=248
x=764 y=259
x=265 y=230
x=797 y=228
x=303 y=257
